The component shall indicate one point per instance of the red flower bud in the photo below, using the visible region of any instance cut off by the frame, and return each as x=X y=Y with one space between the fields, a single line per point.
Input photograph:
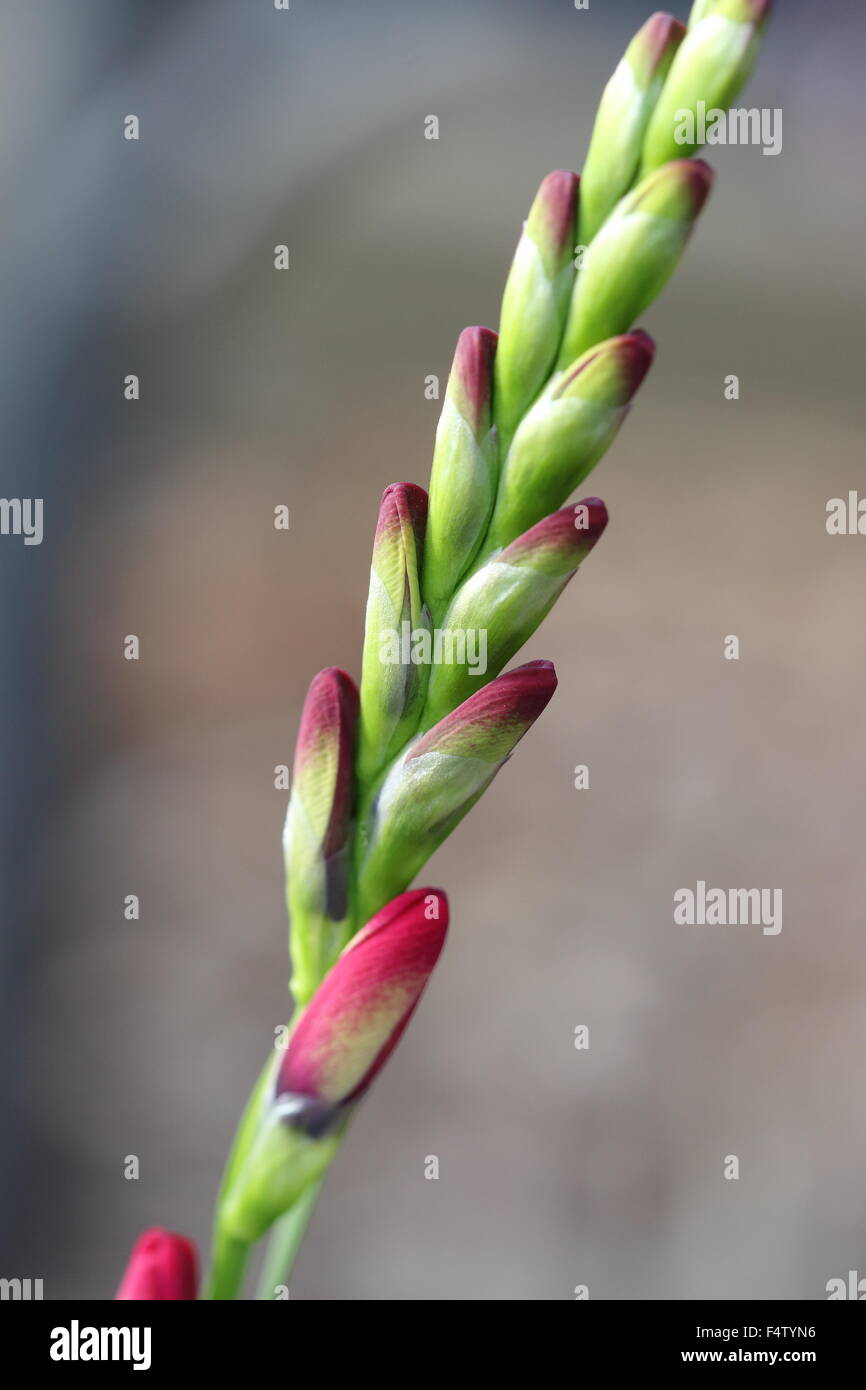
x=162 y=1266
x=358 y=1014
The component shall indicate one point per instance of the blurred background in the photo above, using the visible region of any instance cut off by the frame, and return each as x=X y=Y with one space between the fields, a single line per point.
x=306 y=388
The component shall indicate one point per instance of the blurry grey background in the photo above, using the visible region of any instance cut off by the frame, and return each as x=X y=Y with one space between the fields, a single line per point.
x=306 y=388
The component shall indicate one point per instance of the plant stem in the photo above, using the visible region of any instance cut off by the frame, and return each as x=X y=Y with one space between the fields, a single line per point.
x=228 y=1268
x=285 y=1242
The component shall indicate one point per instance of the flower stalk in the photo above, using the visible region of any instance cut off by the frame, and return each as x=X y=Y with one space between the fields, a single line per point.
x=383 y=775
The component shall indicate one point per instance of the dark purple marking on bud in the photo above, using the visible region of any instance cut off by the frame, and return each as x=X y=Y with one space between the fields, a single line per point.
x=336 y=886
x=309 y=1115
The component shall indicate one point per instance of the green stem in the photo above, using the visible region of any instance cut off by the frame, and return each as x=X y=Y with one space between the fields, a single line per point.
x=228 y=1268
x=285 y=1243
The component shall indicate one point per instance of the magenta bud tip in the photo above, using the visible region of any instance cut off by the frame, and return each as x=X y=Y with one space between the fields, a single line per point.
x=559 y=543
x=162 y=1267
x=637 y=351
x=472 y=375
x=654 y=45
x=698 y=177
x=402 y=504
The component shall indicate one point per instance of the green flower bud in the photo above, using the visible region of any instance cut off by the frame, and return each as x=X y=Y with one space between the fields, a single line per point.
x=743 y=11
x=335 y=1049
x=393 y=686
x=289 y=1152
x=565 y=434
x=463 y=480
x=509 y=597
x=536 y=298
x=634 y=255
x=711 y=66
x=318 y=827
x=623 y=115
x=440 y=777
x=698 y=11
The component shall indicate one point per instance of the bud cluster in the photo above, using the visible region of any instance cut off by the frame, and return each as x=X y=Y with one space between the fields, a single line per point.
x=383 y=774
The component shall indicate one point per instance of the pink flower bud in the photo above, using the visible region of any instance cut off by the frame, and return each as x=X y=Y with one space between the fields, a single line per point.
x=470 y=384
x=358 y=1014
x=323 y=765
x=489 y=725
x=162 y=1266
x=392 y=686
x=318 y=827
x=558 y=544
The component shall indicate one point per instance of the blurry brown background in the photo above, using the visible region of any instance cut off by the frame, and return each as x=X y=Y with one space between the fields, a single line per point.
x=306 y=388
